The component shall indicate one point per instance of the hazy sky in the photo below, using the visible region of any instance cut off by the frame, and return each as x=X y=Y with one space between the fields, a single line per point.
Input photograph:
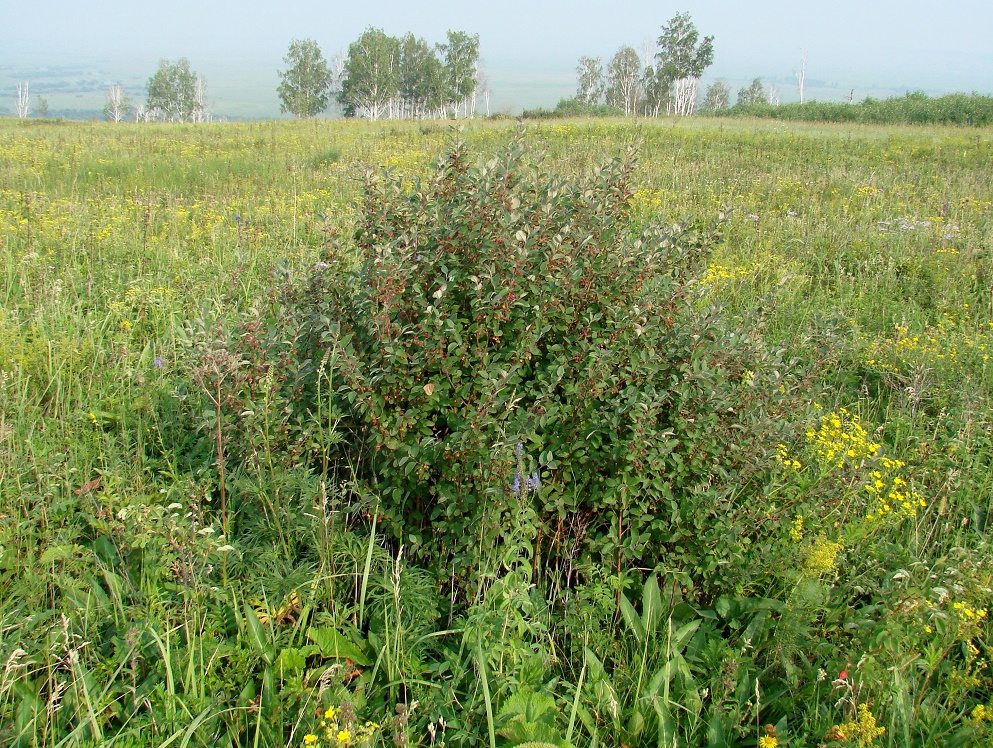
x=861 y=44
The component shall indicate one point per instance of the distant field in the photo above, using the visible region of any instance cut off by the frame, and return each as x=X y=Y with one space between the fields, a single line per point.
x=133 y=256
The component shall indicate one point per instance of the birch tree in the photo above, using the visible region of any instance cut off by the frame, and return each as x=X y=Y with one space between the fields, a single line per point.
x=681 y=59
x=589 y=76
x=754 y=94
x=173 y=92
x=305 y=86
x=118 y=103
x=656 y=91
x=370 y=80
x=623 y=79
x=199 y=113
x=461 y=65
x=483 y=87
x=717 y=97
x=801 y=73
x=421 y=85
x=23 y=99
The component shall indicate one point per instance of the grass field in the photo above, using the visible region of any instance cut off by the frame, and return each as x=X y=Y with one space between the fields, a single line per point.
x=169 y=576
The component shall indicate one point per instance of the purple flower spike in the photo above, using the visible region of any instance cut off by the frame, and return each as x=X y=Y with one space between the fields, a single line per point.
x=519 y=448
x=158 y=362
x=517 y=482
x=238 y=219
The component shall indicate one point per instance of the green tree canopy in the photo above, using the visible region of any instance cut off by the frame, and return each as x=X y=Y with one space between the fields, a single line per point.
x=371 y=77
x=305 y=87
x=589 y=75
x=461 y=67
x=681 y=52
x=717 y=97
x=623 y=80
x=422 y=78
x=751 y=95
x=172 y=91
x=681 y=60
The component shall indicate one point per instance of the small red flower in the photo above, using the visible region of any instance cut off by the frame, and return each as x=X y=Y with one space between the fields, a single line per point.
x=843 y=675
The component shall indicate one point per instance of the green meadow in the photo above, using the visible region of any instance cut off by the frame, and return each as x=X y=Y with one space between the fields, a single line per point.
x=202 y=545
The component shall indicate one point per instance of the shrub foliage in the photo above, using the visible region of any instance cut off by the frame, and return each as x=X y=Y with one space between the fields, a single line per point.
x=915 y=108
x=507 y=328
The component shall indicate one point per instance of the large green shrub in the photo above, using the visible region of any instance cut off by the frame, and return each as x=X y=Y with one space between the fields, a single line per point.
x=506 y=329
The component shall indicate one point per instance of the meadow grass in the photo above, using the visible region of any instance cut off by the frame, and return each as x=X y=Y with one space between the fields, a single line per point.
x=134 y=611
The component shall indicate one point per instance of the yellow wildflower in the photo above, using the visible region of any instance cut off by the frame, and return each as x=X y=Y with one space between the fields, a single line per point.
x=309 y=739
x=796 y=532
x=768 y=741
x=862 y=730
x=821 y=557
x=343 y=736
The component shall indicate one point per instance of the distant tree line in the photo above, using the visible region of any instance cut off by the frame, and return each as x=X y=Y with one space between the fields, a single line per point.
x=380 y=77
x=386 y=77
x=663 y=80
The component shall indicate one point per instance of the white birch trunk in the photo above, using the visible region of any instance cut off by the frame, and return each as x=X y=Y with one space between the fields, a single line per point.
x=23 y=99
x=801 y=74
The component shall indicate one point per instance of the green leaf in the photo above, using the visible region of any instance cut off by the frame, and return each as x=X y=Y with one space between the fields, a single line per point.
x=631 y=618
x=58 y=553
x=289 y=661
x=334 y=645
x=683 y=634
x=651 y=605
x=257 y=634
x=723 y=607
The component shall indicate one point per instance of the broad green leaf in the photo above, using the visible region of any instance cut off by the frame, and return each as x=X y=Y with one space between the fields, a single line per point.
x=257 y=634
x=334 y=645
x=651 y=605
x=632 y=619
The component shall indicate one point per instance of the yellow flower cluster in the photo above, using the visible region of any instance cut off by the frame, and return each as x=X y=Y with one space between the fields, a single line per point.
x=796 y=531
x=27 y=152
x=416 y=161
x=967 y=614
x=336 y=731
x=892 y=492
x=718 y=273
x=981 y=713
x=821 y=557
x=976 y=204
x=861 y=731
x=841 y=439
x=783 y=458
x=648 y=201
x=953 y=337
